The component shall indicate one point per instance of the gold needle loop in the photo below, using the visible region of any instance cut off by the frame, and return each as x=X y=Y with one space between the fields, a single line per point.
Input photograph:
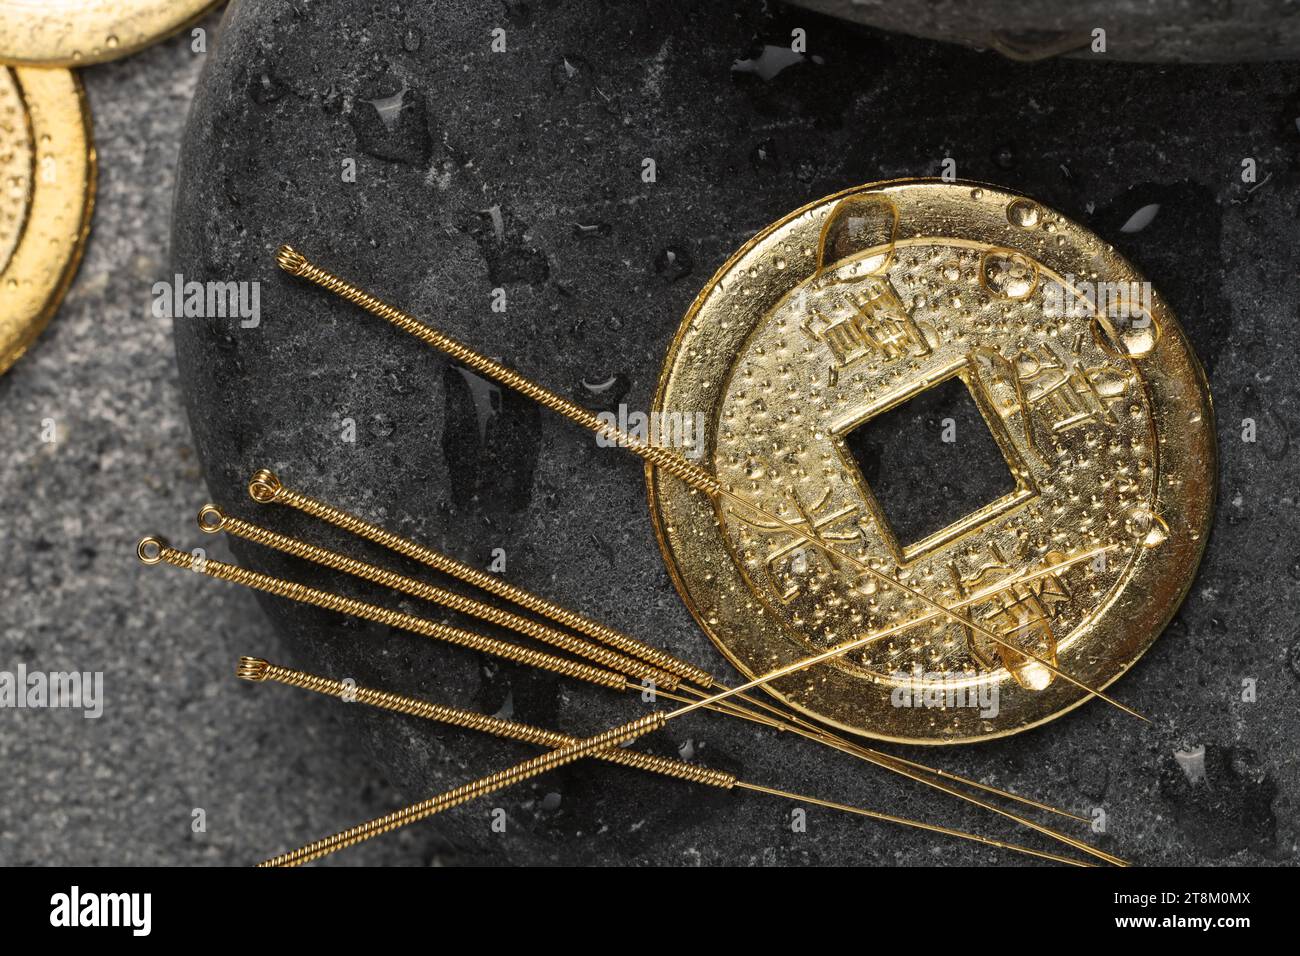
x=470 y=791
x=212 y=520
x=266 y=488
x=153 y=550
x=259 y=670
x=295 y=263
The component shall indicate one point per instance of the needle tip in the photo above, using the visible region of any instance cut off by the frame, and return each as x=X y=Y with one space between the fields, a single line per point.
x=290 y=260
x=1128 y=710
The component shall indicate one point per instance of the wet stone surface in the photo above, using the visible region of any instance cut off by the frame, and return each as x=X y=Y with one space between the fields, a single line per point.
x=523 y=171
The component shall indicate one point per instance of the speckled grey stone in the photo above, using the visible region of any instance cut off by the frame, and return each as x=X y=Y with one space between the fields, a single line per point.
x=178 y=732
x=521 y=170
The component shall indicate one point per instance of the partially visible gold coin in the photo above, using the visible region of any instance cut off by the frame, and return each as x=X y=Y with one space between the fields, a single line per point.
x=77 y=32
x=47 y=192
x=853 y=307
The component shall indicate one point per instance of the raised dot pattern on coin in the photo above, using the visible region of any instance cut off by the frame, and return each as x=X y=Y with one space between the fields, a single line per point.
x=46 y=197
x=16 y=161
x=854 y=307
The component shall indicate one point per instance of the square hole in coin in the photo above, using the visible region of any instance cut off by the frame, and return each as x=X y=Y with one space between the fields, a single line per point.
x=922 y=482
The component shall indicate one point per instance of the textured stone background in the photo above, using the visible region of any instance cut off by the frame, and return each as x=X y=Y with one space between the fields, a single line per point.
x=178 y=731
x=1147 y=30
x=521 y=170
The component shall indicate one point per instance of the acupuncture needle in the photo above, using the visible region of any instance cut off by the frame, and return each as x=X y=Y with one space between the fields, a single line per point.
x=614 y=737
x=260 y=670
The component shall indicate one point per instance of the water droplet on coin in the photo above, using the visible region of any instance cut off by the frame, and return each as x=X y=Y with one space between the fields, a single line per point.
x=1008 y=275
x=1022 y=213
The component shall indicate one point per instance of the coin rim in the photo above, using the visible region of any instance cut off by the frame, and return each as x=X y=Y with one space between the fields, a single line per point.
x=53 y=121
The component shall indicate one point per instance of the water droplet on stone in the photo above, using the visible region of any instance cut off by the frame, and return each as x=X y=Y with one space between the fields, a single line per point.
x=1141 y=219
x=332 y=100
x=394 y=127
x=674 y=263
x=604 y=392
x=265 y=87
x=571 y=75
x=765 y=159
x=1192 y=763
x=771 y=60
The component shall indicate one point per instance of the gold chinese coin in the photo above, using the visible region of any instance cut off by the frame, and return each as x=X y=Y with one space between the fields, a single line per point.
x=47 y=192
x=870 y=299
x=78 y=32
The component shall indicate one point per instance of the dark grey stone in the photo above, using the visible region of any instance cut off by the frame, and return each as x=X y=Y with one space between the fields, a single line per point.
x=522 y=170
x=1145 y=30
